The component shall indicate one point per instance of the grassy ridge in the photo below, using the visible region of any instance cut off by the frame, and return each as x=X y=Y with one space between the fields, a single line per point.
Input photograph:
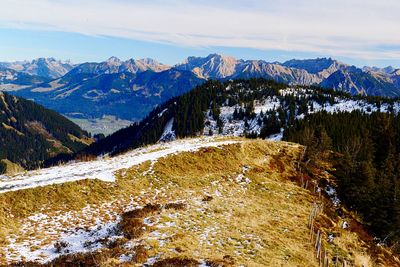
x=240 y=205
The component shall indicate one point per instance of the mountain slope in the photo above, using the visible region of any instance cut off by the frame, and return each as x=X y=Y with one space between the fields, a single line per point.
x=30 y=134
x=11 y=80
x=213 y=66
x=124 y=95
x=356 y=81
x=256 y=107
x=208 y=202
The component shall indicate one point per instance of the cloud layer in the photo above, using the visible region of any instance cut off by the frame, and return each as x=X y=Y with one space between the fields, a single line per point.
x=367 y=29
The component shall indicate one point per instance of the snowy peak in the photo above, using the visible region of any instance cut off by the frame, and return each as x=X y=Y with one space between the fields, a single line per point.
x=212 y=66
x=44 y=67
x=11 y=80
x=326 y=72
x=113 y=61
x=396 y=72
x=386 y=70
x=217 y=66
x=115 y=65
x=142 y=65
x=322 y=67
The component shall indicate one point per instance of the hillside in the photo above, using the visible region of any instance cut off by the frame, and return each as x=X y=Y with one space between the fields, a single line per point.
x=31 y=134
x=363 y=131
x=253 y=108
x=367 y=163
x=223 y=202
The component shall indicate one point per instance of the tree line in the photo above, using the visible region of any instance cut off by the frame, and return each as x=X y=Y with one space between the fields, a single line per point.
x=369 y=164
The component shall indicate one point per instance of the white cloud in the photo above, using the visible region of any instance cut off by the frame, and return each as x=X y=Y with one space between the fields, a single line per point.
x=352 y=28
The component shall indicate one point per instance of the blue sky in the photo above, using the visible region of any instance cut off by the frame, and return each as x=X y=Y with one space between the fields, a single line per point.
x=360 y=32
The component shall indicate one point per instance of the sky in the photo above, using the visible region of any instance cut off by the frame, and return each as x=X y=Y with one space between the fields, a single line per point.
x=359 y=32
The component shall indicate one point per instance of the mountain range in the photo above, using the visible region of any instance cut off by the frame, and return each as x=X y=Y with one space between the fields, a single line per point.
x=43 y=67
x=324 y=72
x=130 y=89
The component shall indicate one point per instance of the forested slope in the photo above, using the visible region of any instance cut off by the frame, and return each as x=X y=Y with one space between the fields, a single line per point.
x=30 y=133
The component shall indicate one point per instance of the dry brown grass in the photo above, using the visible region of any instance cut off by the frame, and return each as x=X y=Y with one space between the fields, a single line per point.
x=202 y=211
x=132 y=221
x=176 y=262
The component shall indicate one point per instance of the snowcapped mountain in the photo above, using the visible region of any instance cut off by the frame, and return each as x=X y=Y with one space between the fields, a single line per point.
x=387 y=70
x=357 y=81
x=43 y=67
x=115 y=65
x=213 y=66
x=323 y=67
x=217 y=66
x=11 y=80
x=144 y=64
x=325 y=72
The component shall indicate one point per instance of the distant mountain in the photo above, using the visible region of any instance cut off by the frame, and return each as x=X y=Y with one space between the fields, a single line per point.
x=130 y=89
x=11 y=80
x=122 y=94
x=213 y=66
x=115 y=65
x=277 y=72
x=357 y=81
x=43 y=67
x=396 y=78
x=323 y=67
x=325 y=72
x=31 y=134
x=217 y=66
x=387 y=70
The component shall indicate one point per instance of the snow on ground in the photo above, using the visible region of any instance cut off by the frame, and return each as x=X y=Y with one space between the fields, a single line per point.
x=93 y=227
x=62 y=233
x=276 y=137
x=102 y=168
x=168 y=134
x=237 y=127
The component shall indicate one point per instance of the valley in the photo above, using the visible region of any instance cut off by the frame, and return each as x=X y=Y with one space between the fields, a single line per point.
x=105 y=125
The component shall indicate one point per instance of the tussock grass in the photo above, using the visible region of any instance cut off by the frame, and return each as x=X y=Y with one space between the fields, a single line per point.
x=132 y=221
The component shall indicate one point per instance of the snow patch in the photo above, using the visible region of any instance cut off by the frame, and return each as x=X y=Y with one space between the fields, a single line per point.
x=104 y=168
x=168 y=134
